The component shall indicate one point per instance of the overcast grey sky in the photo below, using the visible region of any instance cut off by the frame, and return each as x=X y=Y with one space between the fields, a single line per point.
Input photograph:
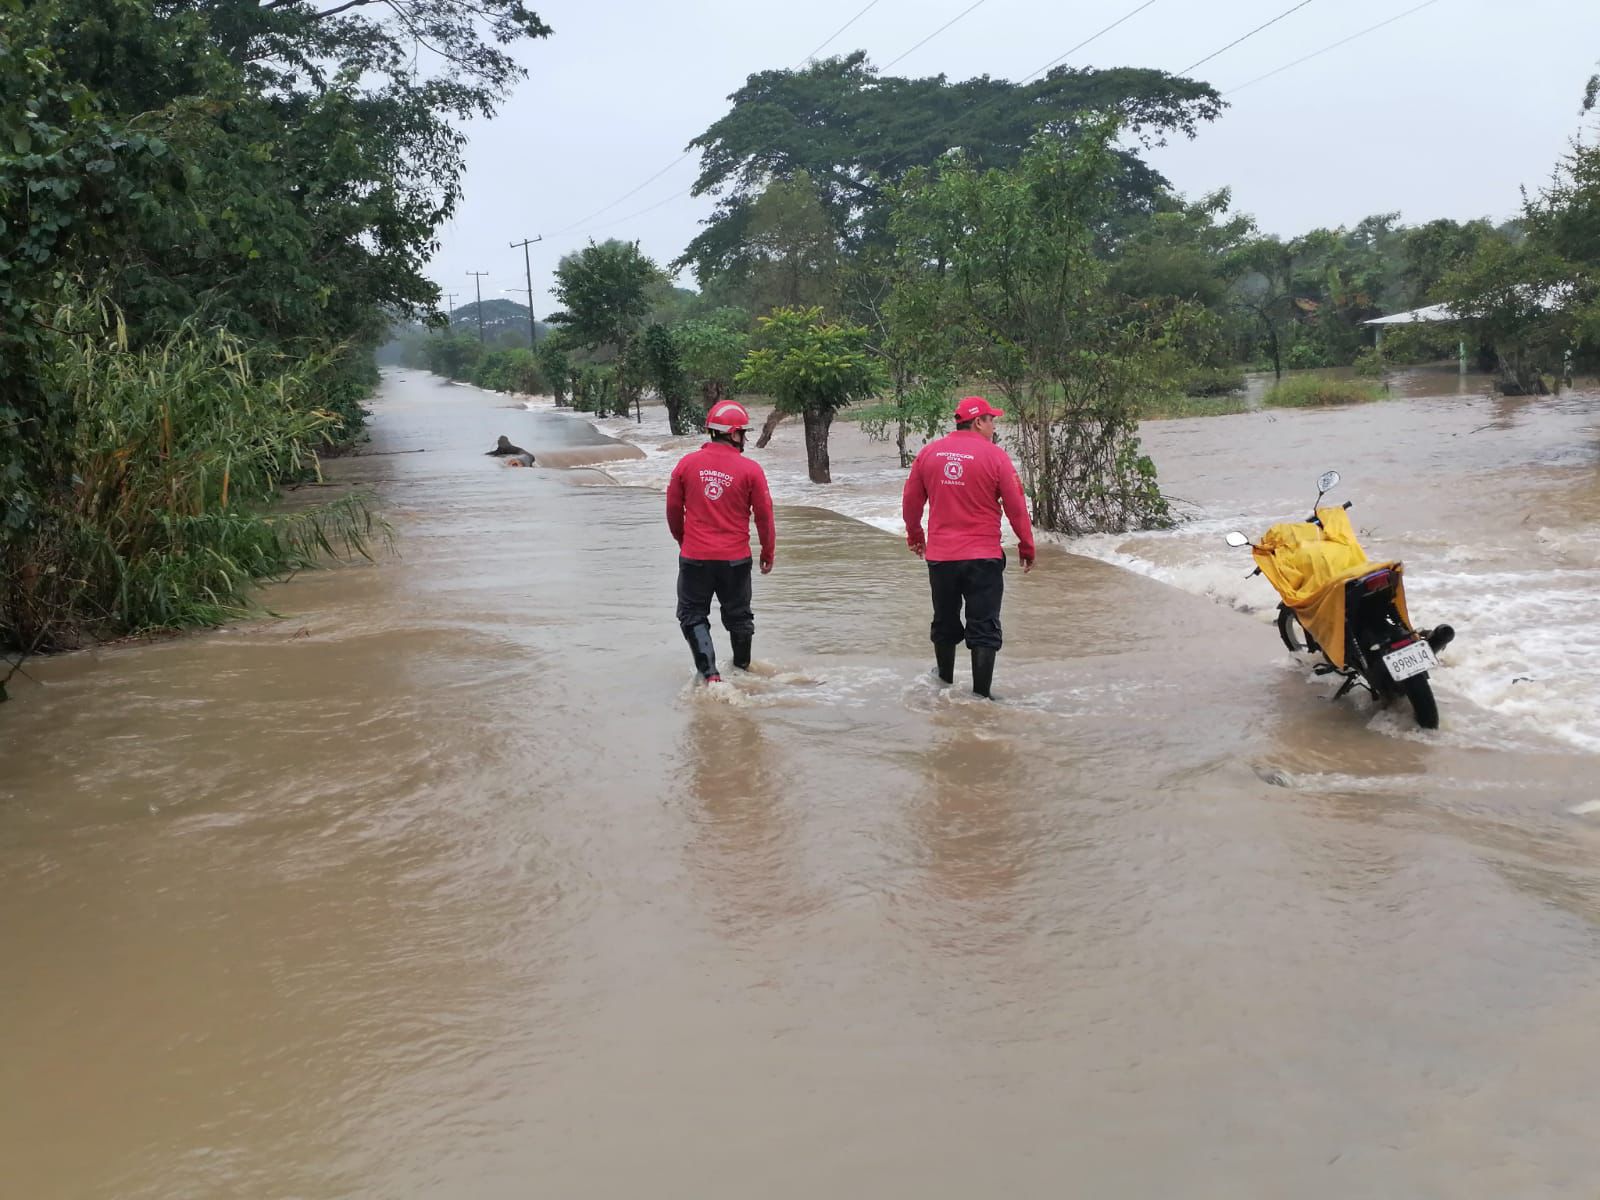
x=1444 y=113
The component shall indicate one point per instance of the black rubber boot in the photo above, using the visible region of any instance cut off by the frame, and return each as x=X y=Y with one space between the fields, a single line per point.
x=944 y=659
x=703 y=649
x=741 y=650
x=982 y=671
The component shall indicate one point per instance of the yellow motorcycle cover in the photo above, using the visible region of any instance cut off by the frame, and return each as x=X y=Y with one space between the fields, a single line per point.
x=1310 y=566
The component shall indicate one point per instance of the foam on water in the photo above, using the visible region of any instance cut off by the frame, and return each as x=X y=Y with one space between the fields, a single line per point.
x=1527 y=648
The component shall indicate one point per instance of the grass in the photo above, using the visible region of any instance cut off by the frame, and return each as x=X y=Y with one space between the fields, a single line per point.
x=1165 y=408
x=1315 y=391
x=166 y=514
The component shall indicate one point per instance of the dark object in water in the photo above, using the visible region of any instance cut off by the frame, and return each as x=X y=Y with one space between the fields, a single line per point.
x=504 y=449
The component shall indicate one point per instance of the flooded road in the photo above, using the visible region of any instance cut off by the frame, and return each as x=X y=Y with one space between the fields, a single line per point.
x=451 y=883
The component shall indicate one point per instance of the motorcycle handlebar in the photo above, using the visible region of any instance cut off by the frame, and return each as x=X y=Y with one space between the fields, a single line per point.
x=1312 y=519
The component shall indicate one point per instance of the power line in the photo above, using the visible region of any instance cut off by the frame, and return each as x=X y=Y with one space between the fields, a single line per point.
x=936 y=32
x=582 y=221
x=1092 y=37
x=1334 y=46
x=837 y=32
x=658 y=204
x=597 y=212
x=1133 y=12
x=993 y=100
x=1246 y=37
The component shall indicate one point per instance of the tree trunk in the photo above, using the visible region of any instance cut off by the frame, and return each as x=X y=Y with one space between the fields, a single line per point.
x=817 y=422
x=900 y=424
x=769 y=427
x=1272 y=335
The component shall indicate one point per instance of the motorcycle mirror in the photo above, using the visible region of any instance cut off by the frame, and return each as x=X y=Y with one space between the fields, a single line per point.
x=1327 y=481
x=1237 y=539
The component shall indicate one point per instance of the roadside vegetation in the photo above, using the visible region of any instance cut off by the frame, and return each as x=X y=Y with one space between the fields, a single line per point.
x=1028 y=251
x=209 y=216
x=1316 y=391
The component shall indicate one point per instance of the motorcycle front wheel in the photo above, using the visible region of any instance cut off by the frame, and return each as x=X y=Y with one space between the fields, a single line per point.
x=1420 y=692
x=1289 y=630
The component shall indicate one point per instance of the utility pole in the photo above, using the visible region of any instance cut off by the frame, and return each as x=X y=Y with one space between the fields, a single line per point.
x=478 y=282
x=450 y=308
x=533 y=329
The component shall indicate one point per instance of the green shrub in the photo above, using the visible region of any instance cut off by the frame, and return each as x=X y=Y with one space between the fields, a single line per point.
x=163 y=514
x=510 y=371
x=1312 y=391
x=1212 y=381
x=1369 y=363
x=1305 y=354
x=453 y=355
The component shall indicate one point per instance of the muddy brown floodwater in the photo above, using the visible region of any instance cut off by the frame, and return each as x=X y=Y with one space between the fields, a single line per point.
x=450 y=883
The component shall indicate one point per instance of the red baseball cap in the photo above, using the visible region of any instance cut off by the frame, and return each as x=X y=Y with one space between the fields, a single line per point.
x=974 y=407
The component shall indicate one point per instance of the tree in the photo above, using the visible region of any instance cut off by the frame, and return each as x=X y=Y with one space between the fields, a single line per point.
x=276 y=170
x=605 y=293
x=711 y=350
x=1537 y=299
x=553 y=362
x=454 y=355
x=1264 y=267
x=513 y=370
x=789 y=256
x=919 y=406
x=853 y=134
x=1003 y=265
x=909 y=343
x=667 y=375
x=811 y=367
x=1431 y=251
x=1179 y=249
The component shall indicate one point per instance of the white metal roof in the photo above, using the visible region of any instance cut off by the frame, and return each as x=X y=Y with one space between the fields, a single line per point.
x=1552 y=296
x=1419 y=316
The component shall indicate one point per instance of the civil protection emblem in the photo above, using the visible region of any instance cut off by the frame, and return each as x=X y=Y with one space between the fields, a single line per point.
x=952 y=468
x=713 y=490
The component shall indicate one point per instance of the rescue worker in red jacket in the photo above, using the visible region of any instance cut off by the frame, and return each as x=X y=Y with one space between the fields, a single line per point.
x=712 y=495
x=964 y=479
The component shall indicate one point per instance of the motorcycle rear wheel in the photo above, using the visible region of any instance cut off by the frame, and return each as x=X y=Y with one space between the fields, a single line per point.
x=1420 y=692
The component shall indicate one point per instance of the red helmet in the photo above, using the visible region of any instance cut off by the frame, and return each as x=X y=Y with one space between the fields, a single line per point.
x=726 y=416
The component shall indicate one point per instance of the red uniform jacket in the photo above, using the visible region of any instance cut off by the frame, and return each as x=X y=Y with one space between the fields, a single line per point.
x=964 y=478
x=709 y=501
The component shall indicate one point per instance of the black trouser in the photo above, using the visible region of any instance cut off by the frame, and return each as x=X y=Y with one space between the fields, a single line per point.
x=729 y=582
x=980 y=584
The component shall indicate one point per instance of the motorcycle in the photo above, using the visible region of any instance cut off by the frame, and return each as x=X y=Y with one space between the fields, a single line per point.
x=1335 y=602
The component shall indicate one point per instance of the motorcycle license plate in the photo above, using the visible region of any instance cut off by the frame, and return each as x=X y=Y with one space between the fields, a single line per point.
x=1410 y=660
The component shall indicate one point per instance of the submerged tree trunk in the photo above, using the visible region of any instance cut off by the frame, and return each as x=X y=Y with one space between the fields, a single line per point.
x=769 y=427
x=817 y=422
x=900 y=423
x=675 y=414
